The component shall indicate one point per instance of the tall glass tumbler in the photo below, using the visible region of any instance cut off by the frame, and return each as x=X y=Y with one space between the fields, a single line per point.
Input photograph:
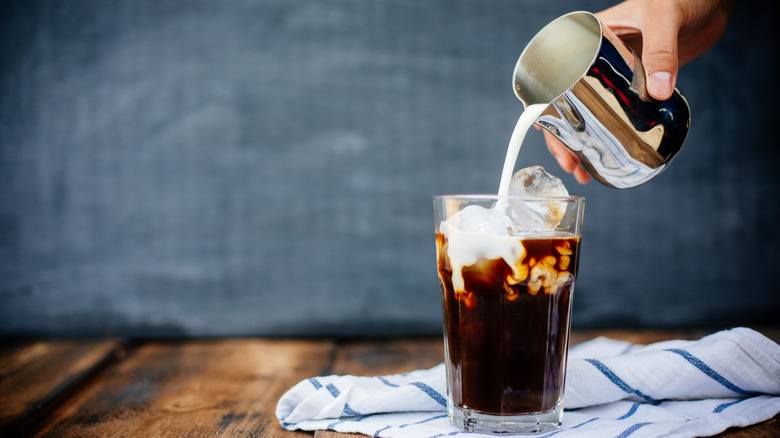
x=507 y=268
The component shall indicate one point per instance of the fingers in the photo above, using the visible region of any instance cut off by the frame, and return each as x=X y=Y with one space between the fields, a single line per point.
x=623 y=19
x=658 y=22
x=581 y=176
x=660 y=28
x=566 y=158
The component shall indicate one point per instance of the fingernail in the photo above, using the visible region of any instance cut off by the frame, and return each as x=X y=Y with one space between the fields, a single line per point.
x=661 y=85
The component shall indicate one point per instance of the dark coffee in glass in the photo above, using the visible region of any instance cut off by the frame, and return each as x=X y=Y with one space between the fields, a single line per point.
x=507 y=310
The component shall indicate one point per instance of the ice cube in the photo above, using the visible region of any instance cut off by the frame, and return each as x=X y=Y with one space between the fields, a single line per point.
x=536 y=215
x=535 y=181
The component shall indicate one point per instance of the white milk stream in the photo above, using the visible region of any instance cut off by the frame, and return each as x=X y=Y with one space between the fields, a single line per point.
x=524 y=123
x=467 y=245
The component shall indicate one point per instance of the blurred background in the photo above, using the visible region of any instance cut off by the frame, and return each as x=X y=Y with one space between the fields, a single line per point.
x=267 y=167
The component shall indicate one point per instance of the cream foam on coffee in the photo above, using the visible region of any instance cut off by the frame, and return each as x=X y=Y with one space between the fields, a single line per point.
x=476 y=232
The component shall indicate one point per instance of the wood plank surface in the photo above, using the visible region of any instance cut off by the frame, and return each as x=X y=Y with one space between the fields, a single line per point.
x=382 y=357
x=194 y=388
x=210 y=388
x=33 y=373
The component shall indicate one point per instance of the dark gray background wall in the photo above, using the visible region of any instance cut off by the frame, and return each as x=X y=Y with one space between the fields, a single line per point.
x=266 y=167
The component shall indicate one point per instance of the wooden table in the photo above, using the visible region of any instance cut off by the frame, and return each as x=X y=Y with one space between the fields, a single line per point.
x=220 y=387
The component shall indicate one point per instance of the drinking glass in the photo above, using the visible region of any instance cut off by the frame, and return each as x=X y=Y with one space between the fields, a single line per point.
x=506 y=298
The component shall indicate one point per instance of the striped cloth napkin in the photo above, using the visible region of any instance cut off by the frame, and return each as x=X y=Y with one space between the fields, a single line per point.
x=613 y=389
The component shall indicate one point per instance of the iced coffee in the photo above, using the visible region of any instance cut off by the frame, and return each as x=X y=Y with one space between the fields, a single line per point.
x=507 y=268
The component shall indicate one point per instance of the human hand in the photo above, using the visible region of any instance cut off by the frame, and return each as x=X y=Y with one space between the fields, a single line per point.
x=668 y=34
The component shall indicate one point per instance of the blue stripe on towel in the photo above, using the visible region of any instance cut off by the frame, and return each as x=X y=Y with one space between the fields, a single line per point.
x=632 y=429
x=349 y=411
x=571 y=428
x=335 y=393
x=617 y=380
x=630 y=412
x=723 y=406
x=457 y=432
x=387 y=382
x=333 y=390
x=376 y=434
x=432 y=392
x=423 y=421
x=316 y=383
x=332 y=426
x=704 y=368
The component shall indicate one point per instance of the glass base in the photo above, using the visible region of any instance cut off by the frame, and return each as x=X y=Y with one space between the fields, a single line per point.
x=476 y=421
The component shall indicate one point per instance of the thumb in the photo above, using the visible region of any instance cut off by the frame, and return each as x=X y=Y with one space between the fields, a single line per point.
x=660 y=57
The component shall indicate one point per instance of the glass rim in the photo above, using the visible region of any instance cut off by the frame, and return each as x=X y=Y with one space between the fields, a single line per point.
x=477 y=196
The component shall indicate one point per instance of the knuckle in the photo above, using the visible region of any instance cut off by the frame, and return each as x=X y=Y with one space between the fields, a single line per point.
x=662 y=53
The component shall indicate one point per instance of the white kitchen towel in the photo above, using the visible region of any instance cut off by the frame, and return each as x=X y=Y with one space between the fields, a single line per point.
x=613 y=389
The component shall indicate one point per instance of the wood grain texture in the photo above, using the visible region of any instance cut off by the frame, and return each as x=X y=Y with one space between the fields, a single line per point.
x=642 y=337
x=382 y=357
x=768 y=429
x=198 y=388
x=220 y=387
x=35 y=372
